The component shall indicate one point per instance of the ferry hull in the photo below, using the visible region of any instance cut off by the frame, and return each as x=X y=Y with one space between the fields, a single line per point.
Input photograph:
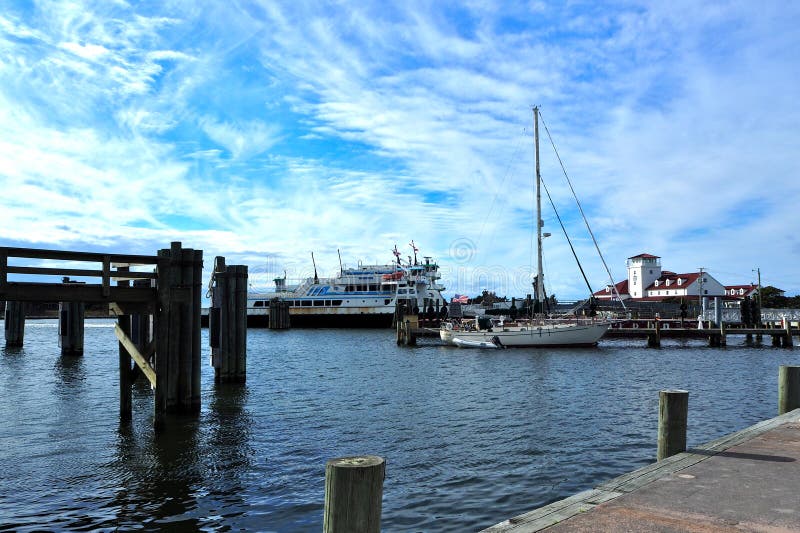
x=366 y=320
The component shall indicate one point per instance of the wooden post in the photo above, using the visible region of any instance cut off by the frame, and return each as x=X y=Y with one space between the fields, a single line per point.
x=161 y=327
x=197 y=349
x=787 y=341
x=240 y=309
x=70 y=327
x=187 y=334
x=788 y=388
x=654 y=338
x=125 y=399
x=673 y=408
x=228 y=323
x=278 y=314
x=14 y=324
x=353 y=494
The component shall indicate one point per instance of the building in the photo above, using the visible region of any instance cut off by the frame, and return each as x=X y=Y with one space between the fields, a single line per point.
x=740 y=291
x=646 y=281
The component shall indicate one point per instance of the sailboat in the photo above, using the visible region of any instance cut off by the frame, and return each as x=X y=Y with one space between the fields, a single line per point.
x=538 y=331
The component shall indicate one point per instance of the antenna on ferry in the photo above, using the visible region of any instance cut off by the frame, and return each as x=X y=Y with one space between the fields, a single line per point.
x=396 y=253
x=316 y=279
x=414 y=247
x=341 y=268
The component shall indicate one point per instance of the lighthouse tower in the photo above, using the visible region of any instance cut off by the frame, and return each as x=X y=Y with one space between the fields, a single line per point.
x=643 y=270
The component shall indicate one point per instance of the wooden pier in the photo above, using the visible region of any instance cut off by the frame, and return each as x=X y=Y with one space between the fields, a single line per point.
x=158 y=315
x=743 y=481
x=654 y=331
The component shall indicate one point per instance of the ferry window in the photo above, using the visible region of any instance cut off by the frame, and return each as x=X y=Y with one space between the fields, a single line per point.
x=319 y=303
x=327 y=302
x=336 y=302
x=306 y=303
x=402 y=291
x=259 y=304
x=373 y=287
x=387 y=301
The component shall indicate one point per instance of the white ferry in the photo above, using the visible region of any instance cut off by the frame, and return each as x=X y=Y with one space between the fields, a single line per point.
x=365 y=296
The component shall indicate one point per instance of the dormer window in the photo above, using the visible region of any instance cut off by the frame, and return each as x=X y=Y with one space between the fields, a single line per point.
x=668 y=282
x=655 y=284
x=680 y=281
x=741 y=292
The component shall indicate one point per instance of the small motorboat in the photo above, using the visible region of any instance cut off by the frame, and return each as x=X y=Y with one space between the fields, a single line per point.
x=494 y=343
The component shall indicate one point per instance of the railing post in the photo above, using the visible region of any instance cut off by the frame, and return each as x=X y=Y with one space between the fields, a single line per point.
x=788 y=388
x=673 y=408
x=353 y=494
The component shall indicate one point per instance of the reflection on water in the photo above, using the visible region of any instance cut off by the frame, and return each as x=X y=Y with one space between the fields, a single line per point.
x=470 y=437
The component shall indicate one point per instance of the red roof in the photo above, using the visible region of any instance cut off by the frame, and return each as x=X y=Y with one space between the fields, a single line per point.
x=622 y=289
x=686 y=280
x=749 y=287
x=645 y=256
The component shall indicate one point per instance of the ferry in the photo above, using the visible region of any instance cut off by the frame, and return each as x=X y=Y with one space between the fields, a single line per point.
x=363 y=296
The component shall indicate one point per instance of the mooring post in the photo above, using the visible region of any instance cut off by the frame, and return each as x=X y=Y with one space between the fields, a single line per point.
x=125 y=382
x=228 y=322
x=279 y=314
x=787 y=341
x=70 y=327
x=353 y=494
x=14 y=324
x=197 y=349
x=673 y=410
x=654 y=338
x=162 y=335
x=788 y=388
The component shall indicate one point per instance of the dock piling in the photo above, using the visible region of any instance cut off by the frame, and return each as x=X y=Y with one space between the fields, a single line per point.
x=673 y=408
x=353 y=494
x=125 y=379
x=788 y=388
x=279 y=314
x=70 y=327
x=228 y=322
x=14 y=324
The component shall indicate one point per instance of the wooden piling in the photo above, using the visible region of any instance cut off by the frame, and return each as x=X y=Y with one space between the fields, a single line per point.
x=228 y=322
x=787 y=340
x=70 y=327
x=278 y=314
x=788 y=388
x=125 y=381
x=353 y=494
x=14 y=324
x=177 y=347
x=673 y=408
x=654 y=338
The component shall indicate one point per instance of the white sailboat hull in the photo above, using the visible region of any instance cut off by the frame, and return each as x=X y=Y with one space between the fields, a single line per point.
x=546 y=335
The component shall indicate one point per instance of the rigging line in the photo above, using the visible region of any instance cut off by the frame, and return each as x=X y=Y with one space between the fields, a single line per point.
x=580 y=208
x=494 y=199
x=574 y=254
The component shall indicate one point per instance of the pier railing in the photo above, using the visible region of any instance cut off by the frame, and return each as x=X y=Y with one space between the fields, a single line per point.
x=103 y=291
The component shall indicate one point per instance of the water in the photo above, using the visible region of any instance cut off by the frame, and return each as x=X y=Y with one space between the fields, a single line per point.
x=470 y=437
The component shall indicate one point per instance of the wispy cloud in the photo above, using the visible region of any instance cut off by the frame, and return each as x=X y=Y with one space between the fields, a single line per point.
x=262 y=128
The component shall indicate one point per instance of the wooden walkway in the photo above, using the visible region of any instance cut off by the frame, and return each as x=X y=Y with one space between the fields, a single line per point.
x=744 y=481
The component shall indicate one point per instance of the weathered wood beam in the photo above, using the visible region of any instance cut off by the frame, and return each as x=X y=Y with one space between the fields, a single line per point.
x=140 y=359
x=65 y=255
x=88 y=293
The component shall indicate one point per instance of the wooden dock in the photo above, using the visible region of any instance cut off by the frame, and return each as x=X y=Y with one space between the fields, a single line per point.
x=158 y=314
x=780 y=334
x=744 y=481
x=747 y=480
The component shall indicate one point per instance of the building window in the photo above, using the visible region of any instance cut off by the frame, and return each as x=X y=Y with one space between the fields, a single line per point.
x=705 y=291
x=655 y=283
x=680 y=281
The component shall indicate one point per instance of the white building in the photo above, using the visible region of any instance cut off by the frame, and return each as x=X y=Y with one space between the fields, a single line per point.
x=646 y=281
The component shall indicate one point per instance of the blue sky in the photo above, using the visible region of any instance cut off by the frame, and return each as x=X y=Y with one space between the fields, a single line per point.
x=263 y=131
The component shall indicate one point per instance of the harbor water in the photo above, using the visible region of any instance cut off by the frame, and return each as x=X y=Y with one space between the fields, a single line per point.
x=470 y=437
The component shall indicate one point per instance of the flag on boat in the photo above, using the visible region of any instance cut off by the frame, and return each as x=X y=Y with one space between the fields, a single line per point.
x=459 y=299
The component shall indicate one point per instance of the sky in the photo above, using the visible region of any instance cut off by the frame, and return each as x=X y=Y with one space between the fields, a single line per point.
x=263 y=131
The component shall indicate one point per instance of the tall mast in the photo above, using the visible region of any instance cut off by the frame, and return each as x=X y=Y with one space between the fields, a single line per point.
x=539 y=272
